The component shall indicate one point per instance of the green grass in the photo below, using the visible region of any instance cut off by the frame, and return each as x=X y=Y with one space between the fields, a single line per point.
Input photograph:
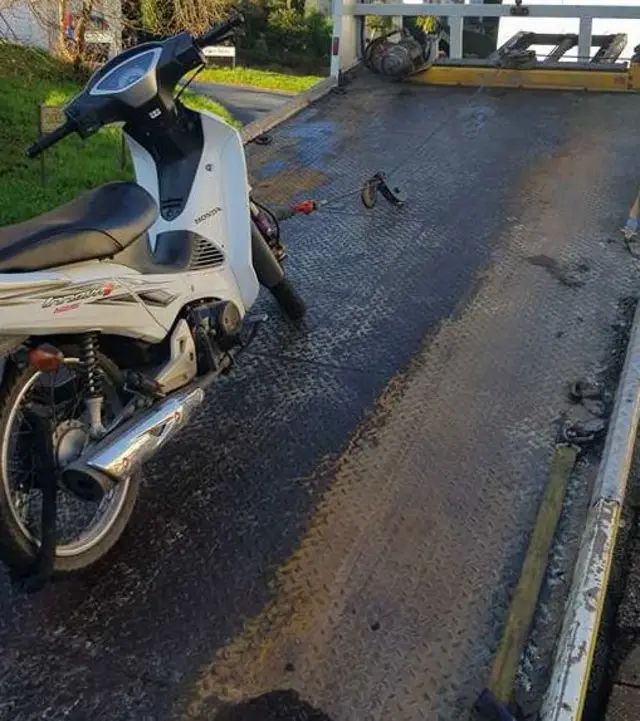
x=27 y=79
x=201 y=102
x=263 y=79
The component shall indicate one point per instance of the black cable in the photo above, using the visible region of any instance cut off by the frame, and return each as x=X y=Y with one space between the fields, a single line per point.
x=366 y=49
x=197 y=72
x=414 y=152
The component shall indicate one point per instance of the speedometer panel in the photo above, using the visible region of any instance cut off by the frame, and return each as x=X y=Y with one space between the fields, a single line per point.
x=125 y=75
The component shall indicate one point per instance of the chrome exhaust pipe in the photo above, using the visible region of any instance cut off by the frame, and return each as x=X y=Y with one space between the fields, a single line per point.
x=120 y=453
x=86 y=483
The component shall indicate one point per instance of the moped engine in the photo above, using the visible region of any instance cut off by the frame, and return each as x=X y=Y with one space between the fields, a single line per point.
x=216 y=328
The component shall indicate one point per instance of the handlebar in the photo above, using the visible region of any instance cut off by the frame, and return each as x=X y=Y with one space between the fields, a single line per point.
x=221 y=31
x=46 y=141
x=216 y=34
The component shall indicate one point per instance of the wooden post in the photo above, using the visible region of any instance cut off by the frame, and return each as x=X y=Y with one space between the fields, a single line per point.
x=43 y=179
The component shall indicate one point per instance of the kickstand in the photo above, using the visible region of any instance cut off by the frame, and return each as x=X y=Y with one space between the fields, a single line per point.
x=42 y=569
x=250 y=328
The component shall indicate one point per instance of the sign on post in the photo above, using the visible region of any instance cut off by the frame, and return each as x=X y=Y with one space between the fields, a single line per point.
x=221 y=51
x=50 y=118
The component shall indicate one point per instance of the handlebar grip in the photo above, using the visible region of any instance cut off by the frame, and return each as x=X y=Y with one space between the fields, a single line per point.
x=219 y=32
x=46 y=141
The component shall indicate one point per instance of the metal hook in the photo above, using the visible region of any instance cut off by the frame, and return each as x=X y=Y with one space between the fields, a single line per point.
x=378 y=183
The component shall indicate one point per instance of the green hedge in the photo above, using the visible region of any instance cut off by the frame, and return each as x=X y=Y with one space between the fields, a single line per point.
x=276 y=34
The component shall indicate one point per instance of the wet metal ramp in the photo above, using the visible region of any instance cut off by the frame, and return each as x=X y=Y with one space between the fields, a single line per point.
x=349 y=515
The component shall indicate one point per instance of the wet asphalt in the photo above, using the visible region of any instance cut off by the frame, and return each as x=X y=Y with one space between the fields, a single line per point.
x=246 y=105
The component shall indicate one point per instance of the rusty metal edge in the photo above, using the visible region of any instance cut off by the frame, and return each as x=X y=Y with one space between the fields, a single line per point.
x=284 y=112
x=525 y=596
x=565 y=697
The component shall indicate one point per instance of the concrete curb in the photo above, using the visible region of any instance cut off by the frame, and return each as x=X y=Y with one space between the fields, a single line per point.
x=565 y=697
x=295 y=105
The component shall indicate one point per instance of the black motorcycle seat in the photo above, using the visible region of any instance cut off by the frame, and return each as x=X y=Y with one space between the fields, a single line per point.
x=97 y=224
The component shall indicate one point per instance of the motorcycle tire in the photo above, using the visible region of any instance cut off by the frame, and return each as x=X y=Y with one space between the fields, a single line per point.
x=19 y=543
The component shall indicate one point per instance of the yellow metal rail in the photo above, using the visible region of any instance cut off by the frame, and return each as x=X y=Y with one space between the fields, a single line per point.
x=625 y=81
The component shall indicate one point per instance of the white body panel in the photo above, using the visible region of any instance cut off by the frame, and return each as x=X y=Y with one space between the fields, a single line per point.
x=105 y=296
x=221 y=182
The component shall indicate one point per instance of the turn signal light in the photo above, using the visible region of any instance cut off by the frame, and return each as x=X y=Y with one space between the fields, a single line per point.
x=46 y=358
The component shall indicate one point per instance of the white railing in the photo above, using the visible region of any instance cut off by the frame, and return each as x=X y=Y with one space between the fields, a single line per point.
x=348 y=14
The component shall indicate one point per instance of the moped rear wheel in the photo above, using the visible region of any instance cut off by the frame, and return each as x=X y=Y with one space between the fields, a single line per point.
x=85 y=530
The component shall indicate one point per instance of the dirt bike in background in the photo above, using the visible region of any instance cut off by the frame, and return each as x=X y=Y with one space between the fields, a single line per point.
x=118 y=309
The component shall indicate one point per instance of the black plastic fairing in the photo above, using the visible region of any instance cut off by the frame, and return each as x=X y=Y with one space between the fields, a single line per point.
x=90 y=112
x=173 y=253
x=171 y=133
x=179 y=56
x=176 y=150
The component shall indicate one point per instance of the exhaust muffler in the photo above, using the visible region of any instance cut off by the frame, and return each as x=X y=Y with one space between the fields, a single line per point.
x=124 y=450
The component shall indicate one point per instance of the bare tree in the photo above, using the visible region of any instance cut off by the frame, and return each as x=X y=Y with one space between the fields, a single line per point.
x=170 y=16
x=61 y=7
x=81 y=29
x=161 y=17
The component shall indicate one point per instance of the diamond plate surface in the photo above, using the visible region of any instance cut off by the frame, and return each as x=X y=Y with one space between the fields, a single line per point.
x=395 y=602
x=348 y=515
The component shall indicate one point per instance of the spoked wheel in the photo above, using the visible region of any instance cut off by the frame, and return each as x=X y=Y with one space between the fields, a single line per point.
x=86 y=530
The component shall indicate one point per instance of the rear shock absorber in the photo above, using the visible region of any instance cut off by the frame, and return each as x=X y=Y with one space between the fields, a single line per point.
x=93 y=390
x=90 y=364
